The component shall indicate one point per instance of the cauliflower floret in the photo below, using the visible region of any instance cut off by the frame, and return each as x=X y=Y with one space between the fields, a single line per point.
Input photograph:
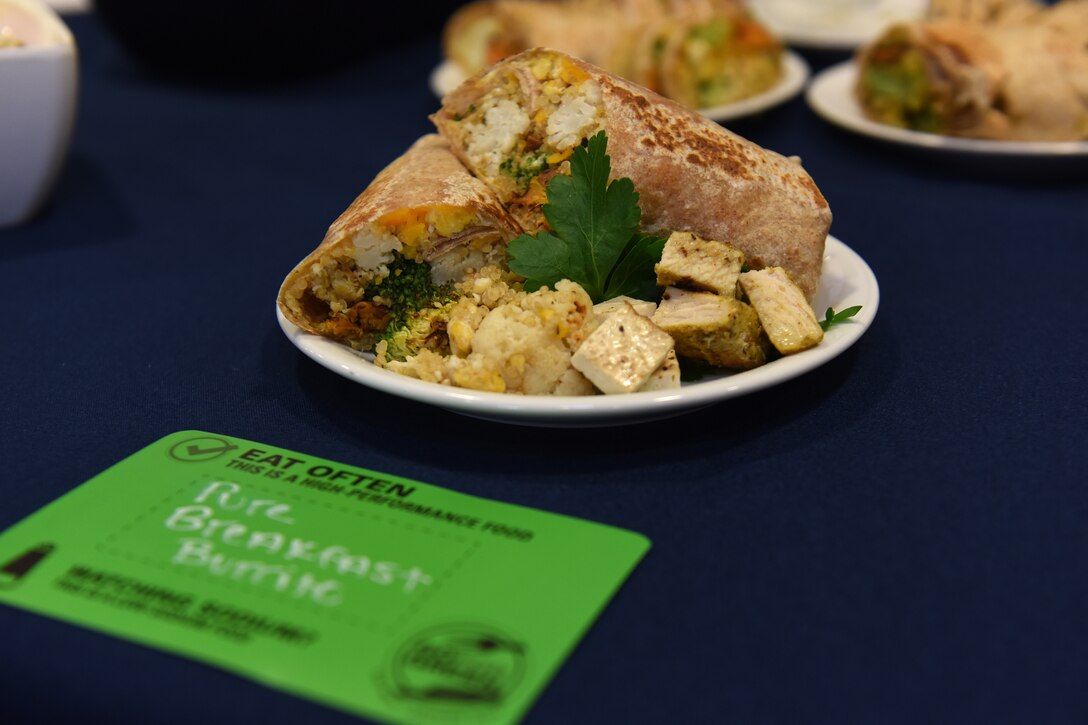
x=569 y=123
x=506 y=342
x=491 y=141
x=374 y=249
x=428 y=365
x=531 y=338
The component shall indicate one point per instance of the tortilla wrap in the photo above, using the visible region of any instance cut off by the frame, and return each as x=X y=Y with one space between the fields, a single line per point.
x=1024 y=82
x=985 y=12
x=425 y=206
x=701 y=53
x=480 y=33
x=516 y=124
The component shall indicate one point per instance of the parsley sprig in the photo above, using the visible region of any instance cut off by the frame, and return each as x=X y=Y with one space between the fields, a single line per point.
x=594 y=239
x=833 y=318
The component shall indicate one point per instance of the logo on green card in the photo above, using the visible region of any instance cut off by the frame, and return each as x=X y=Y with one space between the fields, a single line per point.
x=12 y=571
x=457 y=664
x=199 y=450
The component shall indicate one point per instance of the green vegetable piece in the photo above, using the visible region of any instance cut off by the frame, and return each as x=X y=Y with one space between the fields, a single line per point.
x=410 y=289
x=833 y=318
x=594 y=225
x=657 y=50
x=634 y=274
x=713 y=32
x=543 y=260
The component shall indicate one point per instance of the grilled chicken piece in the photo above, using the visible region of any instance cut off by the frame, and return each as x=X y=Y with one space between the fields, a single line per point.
x=719 y=330
x=623 y=352
x=783 y=310
x=695 y=263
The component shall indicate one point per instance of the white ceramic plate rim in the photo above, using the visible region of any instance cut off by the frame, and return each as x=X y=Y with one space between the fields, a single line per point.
x=831 y=95
x=841 y=35
x=795 y=72
x=847 y=281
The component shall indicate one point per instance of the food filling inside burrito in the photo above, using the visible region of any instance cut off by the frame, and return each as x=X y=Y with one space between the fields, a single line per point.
x=522 y=132
x=720 y=61
x=926 y=84
x=896 y=87
x=396 y=276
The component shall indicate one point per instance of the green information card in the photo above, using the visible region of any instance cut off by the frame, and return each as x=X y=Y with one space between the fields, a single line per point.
x=387 y=597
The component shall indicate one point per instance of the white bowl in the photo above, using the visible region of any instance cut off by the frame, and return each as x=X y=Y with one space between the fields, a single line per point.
x=37 y=105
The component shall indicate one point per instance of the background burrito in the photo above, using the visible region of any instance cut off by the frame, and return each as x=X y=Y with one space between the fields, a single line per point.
x=1012 y=76
x=421 y=225
x=702 y=53
x=516 y=125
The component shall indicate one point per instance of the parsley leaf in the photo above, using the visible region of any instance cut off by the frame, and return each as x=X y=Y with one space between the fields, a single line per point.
x=634 y=274
x=594 y=240
x=833 y=318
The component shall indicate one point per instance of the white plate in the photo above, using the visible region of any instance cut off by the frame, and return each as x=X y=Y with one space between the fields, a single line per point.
x=846 y=281
x=833 y=24
x=795 y=71
x=831 y=95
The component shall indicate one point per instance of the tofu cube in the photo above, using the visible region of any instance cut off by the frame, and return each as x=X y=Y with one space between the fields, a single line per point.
x=623 y=352
x=722 y=331
x=702 y=264
x=785 y=314
x=643 y=307
x=666 y=377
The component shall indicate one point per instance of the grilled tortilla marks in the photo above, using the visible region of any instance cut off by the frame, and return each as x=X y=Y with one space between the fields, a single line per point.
x=691 y=173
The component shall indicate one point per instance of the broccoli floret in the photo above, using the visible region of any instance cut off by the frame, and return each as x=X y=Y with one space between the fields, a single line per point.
x=413 y=299
x=523 y=171
x=425 y=329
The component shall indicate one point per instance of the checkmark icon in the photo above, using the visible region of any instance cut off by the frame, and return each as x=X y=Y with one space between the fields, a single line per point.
x=198 y=450
x=194 y=449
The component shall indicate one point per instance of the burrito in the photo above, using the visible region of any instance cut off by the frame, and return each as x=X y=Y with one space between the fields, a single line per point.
x=516 y=125
x=709 y=58
x=1023 y=81
x=482 y=33
x=702 y=53
x=985 y=12
x=390 y=260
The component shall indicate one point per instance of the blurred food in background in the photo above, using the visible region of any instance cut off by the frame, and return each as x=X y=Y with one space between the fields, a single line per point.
x=701 y=53
x=1012 y=70
x=833 y=25
x=984 y=11
x=8 y=38
x=38 y=76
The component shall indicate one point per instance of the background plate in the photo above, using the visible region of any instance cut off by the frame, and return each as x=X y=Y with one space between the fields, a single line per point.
x=833 y=24
x=831 y=95
x=846 y=281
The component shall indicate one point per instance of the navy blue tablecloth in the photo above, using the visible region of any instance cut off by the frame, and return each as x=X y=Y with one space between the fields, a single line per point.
x=900 y=536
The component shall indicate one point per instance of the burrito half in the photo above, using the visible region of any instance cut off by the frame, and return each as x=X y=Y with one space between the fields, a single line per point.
x=1006 y=81
x=516 y=125
x=424 y=218
x=699 y=53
